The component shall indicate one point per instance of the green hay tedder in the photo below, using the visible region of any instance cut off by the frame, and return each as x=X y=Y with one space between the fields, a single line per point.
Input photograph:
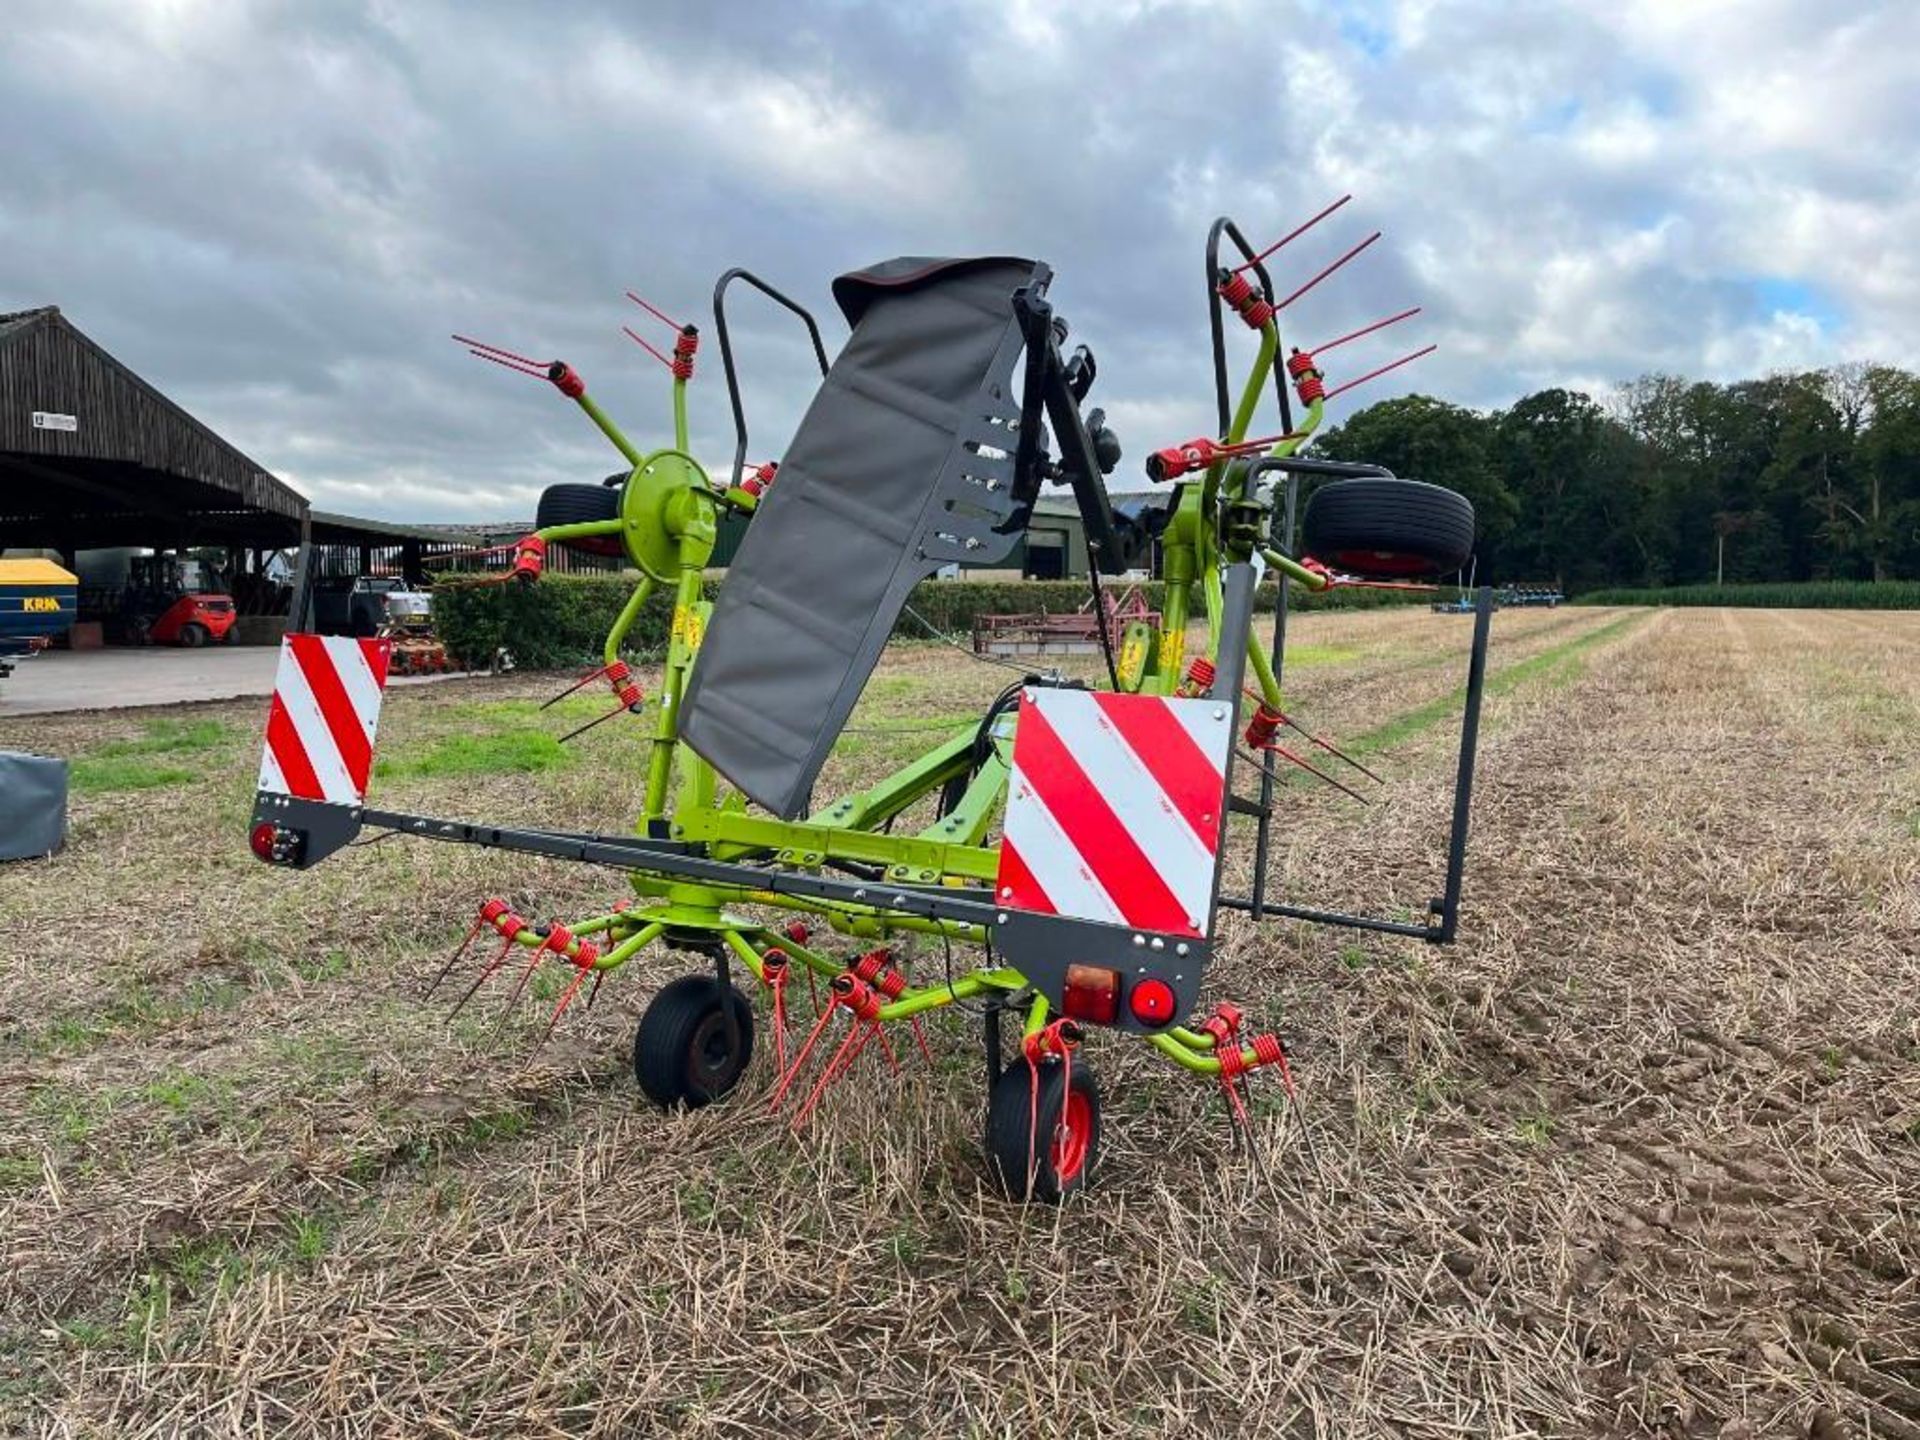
x=1071 y=837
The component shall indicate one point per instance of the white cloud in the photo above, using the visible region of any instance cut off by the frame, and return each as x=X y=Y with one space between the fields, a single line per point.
x=279 y=211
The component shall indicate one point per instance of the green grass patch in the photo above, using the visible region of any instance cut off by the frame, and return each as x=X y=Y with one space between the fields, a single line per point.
x=1557 y=666
x=519 y=753
x=1307 y=657
x=167 y=737
x=1804 y=595
x=89 y=776
x=133 y=764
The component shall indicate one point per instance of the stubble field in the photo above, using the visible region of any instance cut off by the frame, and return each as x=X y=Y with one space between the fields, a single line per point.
x=1639 y=1156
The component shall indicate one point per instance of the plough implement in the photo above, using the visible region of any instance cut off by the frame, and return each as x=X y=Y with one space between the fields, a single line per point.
x=1072 y=836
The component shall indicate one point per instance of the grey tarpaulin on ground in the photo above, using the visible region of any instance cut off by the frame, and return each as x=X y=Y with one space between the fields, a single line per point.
x=883 y=483
x=33 y=805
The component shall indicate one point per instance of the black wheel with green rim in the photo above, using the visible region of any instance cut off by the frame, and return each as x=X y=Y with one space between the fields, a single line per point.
x=685 y=1053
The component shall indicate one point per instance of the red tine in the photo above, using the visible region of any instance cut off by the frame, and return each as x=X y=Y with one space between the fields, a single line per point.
x=655 y=312
x=537 y=372
x=1364 y=330
x=504 y=355
x=646 y=347
x=1376 y=374
x=1293 y=234
x=1282 y=304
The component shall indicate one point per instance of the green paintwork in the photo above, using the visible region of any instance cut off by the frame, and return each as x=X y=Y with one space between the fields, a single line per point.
x=668 y=526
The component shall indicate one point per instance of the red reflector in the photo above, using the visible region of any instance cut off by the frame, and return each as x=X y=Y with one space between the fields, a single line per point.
x=1151 y=1002
x=261 y=839
x=1092 y=994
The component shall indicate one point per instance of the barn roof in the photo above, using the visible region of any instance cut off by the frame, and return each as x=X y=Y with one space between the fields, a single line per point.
x=91 y=454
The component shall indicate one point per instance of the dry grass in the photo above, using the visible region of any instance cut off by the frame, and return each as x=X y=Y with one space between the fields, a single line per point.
x=1639 y=1156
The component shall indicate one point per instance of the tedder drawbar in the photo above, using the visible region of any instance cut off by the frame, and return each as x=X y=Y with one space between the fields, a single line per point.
x=1073 y=835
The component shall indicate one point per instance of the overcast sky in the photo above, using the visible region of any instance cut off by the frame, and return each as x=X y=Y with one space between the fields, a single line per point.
x=277 y=212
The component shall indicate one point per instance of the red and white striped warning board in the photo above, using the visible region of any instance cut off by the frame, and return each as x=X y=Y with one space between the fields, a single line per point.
x=1113 y=808
x=326 y=703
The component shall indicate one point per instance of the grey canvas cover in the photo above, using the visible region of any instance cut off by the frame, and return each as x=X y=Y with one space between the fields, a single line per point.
x=903 y=463
x=33 y=805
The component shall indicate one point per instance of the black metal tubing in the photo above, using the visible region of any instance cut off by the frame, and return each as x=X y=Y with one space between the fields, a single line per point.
x=1293 y=467
x=674 y=859
x=1216 y=317
x=1447 y=907
x=1263 y=830
x=1463 y=775
x=1430 y=933
x=726 y=350
x=1445 y=910
x=1045 y=387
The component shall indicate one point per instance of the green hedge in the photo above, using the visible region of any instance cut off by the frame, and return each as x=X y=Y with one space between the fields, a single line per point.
x=1807 y=595
x=564 y=620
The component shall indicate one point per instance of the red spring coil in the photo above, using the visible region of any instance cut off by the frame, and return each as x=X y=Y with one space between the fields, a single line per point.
x=1268 y=1049
x=798 y=932
x=870 y=965
x=683 y=353
x=586 y=955
x=630 y=695
x=1199 y=679
x=1223 y=1025
x=858 y=996
x=1307 y=379
x=509 y=925
x=1245 y=297
x=618 y=673
x=1265 y=724
x=762 y=476
x=493 y=910
x=558 y=938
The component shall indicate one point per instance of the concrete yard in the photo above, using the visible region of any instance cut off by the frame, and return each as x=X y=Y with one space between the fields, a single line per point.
x=64 y=680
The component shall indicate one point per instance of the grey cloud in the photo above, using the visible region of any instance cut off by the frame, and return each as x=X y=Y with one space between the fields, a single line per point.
x=279 y=211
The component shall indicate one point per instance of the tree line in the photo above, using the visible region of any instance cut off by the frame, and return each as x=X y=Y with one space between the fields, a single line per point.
x=1667 y=481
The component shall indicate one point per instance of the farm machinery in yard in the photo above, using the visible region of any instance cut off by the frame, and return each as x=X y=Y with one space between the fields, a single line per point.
x=1072 y=836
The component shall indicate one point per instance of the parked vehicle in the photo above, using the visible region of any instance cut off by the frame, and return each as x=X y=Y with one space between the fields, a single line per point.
x=38 y=602
x=171 y=600
x=364 y=605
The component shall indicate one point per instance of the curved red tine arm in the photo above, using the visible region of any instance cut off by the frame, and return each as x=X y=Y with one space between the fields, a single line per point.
x=1291 y=235
x=1376 y=374
x=1363 y=330
x=1282 y=304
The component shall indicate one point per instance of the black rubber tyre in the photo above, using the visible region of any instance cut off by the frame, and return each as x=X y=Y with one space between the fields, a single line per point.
x=193 y=635
x=680 y=1053
x=1064 y=1159
x=580 y=505
x=1388 y=529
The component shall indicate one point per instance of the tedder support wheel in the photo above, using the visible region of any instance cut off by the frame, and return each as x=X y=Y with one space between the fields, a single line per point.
x=681 y=1054
x=1044 y=1150
x=578 y=505
x=1388 y=529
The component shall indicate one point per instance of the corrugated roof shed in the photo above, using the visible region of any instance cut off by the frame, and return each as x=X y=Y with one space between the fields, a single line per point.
x=92 y=454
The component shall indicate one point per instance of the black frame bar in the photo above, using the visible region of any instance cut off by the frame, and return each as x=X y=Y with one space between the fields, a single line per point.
x=726 y=350
x=1216 y=320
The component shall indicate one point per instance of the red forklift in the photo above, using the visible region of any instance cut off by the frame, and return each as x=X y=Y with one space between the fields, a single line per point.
x=173 y=600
